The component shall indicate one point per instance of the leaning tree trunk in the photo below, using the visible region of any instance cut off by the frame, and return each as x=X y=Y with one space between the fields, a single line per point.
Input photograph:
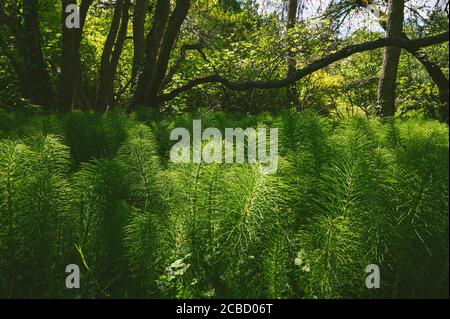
x=118 y=48
x=291 y=61
x=111 y=54
x=71 y=91
x=154 y=39
x=388 y=80
x=160 y=43
x=173 y=28
x=438 y=78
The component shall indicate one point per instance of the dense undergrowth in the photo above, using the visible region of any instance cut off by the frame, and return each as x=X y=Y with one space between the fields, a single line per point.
x=98 y=190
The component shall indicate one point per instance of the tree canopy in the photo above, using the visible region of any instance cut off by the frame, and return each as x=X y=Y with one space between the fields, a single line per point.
x=127 y=54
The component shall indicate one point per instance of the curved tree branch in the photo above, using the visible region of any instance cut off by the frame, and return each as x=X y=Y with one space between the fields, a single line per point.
x=183 y=55
x=410 y=45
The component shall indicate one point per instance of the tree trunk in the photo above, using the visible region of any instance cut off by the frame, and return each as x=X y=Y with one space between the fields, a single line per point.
x=173 y=28
x=160 y=42
x=291 y=60
x=38 y=88
x=71 y=91
x=118 y=48
x=154 y=38
x=388 y=80
x=67 y=81
x=140 y=13
x=111 y=54
x=433 y=69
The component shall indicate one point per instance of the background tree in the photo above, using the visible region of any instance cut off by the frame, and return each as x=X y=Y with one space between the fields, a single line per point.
x=433 y=69
x=140 y=13
x=111 y=54
x=388 y=80
x=217 y=42
x=292 y=63
x=71 y=89
x=160 y=42
x=22 y=20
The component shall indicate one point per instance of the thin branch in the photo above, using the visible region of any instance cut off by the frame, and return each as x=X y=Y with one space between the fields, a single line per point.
x=183 y=55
